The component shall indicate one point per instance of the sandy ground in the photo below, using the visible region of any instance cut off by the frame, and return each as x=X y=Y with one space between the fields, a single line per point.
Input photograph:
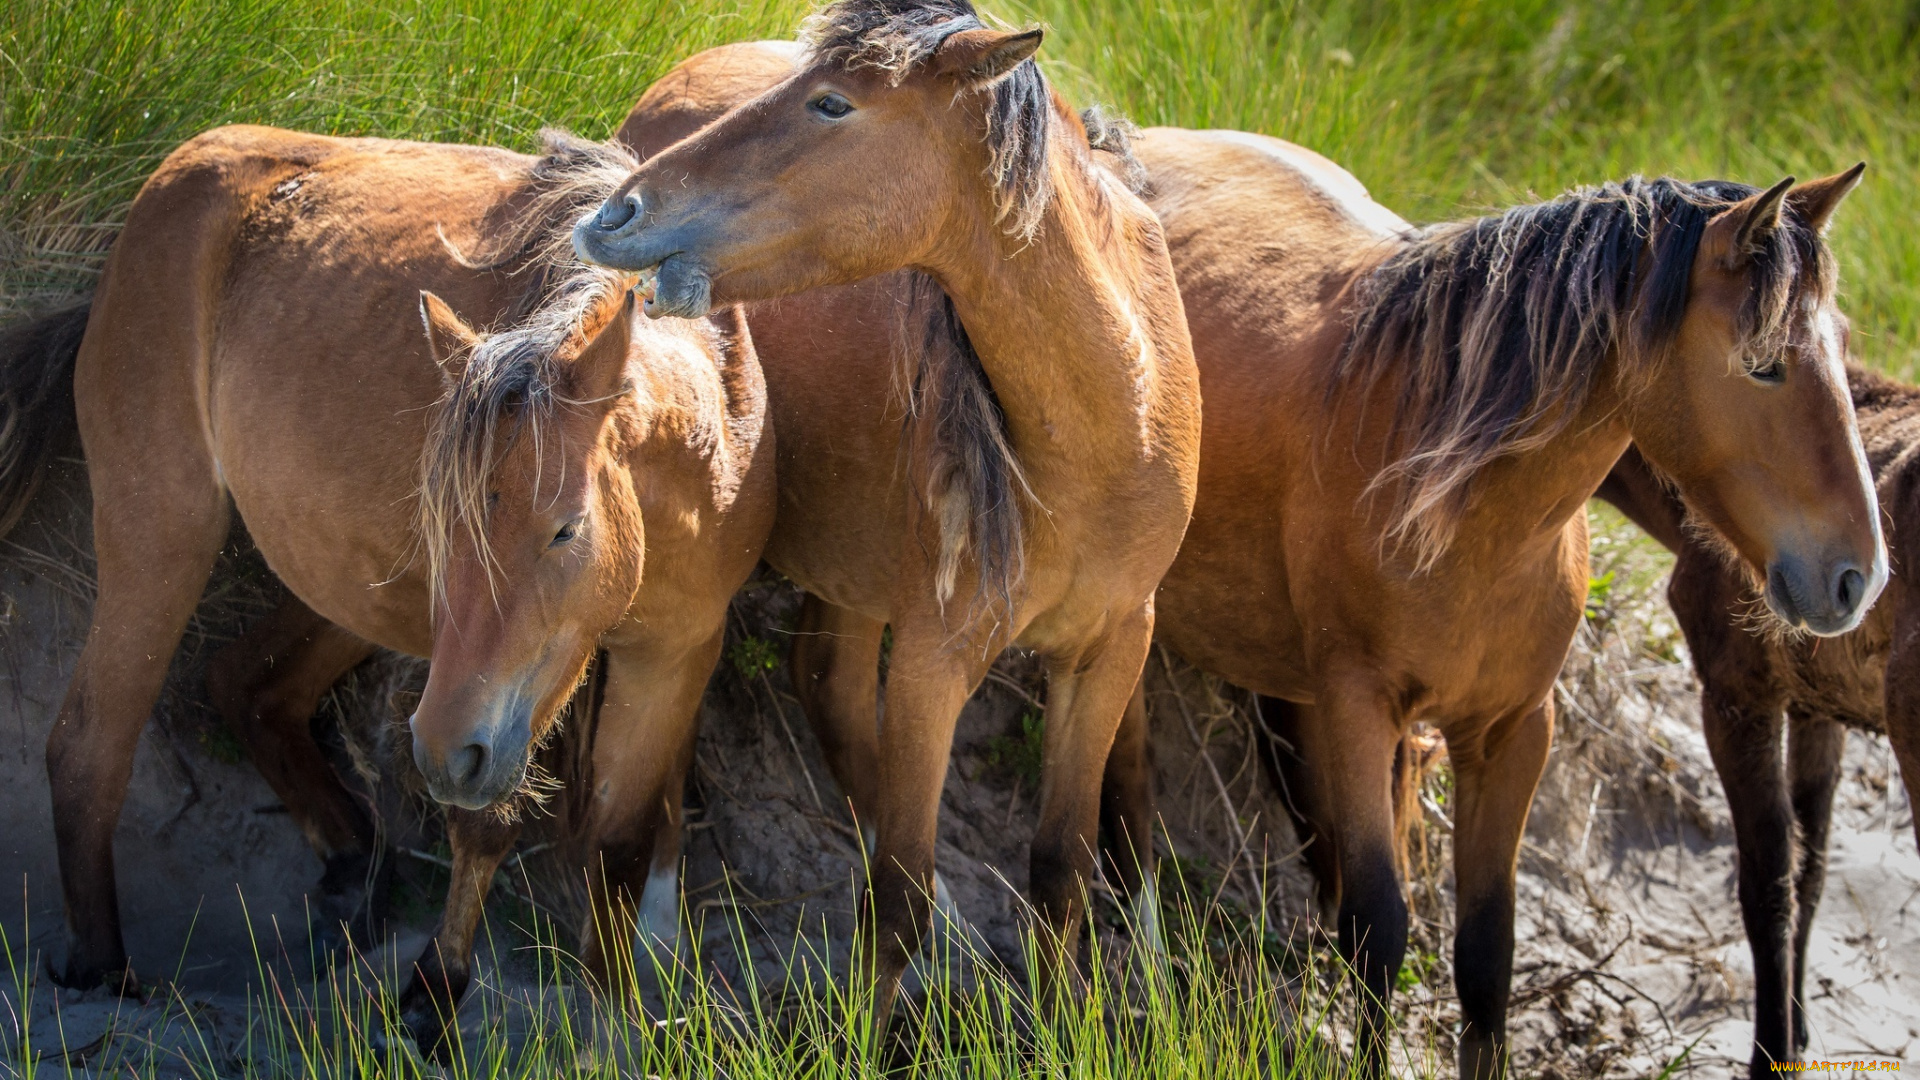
x=1630 y=951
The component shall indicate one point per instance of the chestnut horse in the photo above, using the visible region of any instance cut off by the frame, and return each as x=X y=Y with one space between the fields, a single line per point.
x=488 y=499
x=1403 y=431
x=1472 y=384
x=1756 y=686
x=1032 y=486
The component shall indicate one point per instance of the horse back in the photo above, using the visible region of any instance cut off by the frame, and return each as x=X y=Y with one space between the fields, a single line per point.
x=703 y=88
x=256 y=335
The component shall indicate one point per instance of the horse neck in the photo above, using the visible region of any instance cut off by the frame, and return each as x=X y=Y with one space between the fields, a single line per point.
x=1080 y=331
x=1540 y=490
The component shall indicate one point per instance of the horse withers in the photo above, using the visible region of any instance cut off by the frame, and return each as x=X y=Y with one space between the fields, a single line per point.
x=506 y=501
x=1029 y=482
x=1776 y=706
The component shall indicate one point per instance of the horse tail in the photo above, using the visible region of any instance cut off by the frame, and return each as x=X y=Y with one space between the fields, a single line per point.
x=37 y=421
x=1418 y=755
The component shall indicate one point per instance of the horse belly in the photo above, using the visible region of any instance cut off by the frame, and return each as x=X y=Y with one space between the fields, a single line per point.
x=826 y=358
x=320 y=459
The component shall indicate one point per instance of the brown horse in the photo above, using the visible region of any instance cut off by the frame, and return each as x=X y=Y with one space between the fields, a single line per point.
x=1752 y=681
x=488 y=499
x=1418 y=552
x=1031 y=483
x=1403 y=430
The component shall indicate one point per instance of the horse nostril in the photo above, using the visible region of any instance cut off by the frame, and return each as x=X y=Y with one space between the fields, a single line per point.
x=616 y=213
x=1850 y=589
x=466 y=764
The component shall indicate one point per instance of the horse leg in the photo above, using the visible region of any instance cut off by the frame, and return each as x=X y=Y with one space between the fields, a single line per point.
x=643 y=743
x=1088 y=698
x=1126 y=820
x=266 y=686
x=1814 y=746
x=1903 y=704
x=1285 y=728
x=480 y=840
x=930 y=677
x=1744 y=738
x=836 y=675
x=1496 y=770
x=160 y=518
x=1356 y=729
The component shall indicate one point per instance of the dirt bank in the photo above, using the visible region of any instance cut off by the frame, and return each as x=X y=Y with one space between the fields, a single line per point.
x=1630 y=942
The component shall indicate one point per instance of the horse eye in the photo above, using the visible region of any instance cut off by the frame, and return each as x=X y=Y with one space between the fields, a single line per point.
x=832 y=106
x=1773 y=371
x=567 y=533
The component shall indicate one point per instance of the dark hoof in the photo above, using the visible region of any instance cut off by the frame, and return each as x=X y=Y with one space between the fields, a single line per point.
x=351 y=909
x=118 y=979
x=433 y=1017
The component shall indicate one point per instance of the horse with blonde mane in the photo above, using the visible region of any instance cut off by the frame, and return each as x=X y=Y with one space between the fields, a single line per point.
x=1022 y=477
x=568 y=480
x=1403 y=427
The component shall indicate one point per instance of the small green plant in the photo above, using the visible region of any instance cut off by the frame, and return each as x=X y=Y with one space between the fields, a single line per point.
x=1019 y=754
x=1416 y=969
x=753 y=655
x=222 y=745
x=1599 y=592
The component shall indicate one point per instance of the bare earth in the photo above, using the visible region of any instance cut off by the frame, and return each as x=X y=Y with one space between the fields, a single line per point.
x=1630 y=943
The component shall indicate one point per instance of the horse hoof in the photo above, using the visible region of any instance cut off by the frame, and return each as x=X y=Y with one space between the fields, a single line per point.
x=352 y=906
x=120 y=981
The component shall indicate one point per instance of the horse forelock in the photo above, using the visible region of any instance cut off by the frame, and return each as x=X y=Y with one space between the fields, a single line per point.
x=896 y=36
x=509 y=389
x=1498 y=329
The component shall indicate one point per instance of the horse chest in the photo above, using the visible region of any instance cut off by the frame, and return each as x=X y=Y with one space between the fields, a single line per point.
x=1843 y=678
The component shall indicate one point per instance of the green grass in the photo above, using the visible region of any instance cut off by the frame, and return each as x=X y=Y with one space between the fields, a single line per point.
x=1442 y=108
x=1448 y=108
x=1205 y=1011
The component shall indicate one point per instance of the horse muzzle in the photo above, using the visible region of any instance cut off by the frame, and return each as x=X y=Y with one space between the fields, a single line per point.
x=1826 y=596
x=481 y=767
x=617 y=237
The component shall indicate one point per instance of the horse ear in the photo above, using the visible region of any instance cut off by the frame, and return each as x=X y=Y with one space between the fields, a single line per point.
x=1738 y=232
x=599 y=373
x=1815 y=200
x=983 y=57
x=449 y=338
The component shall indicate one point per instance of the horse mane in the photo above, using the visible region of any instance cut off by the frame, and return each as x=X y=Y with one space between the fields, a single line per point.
x=514 y=377
x=895 y=36
x=1498 y=329
x=567 y=180
x=974 y=479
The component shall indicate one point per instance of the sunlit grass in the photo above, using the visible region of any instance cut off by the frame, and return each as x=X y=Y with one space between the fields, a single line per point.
x=1220 y=1005
x=1447 y=108
x=1442 y=108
